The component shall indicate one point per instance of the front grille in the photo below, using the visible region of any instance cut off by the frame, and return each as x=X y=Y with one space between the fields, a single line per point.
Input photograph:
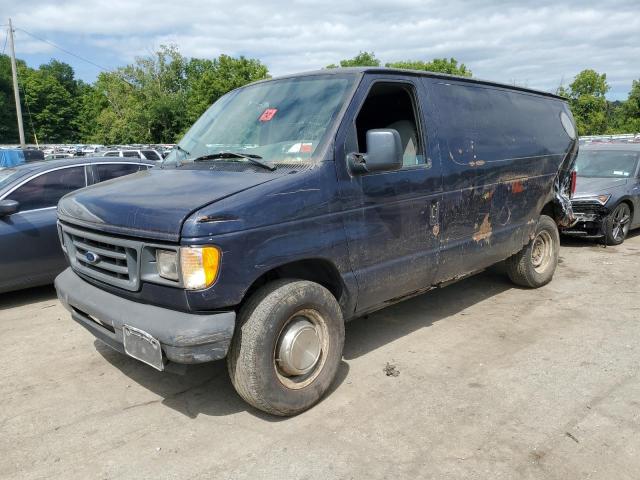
x=108 y=259
x=588 y=208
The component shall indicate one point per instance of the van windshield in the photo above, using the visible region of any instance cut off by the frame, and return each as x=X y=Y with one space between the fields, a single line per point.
x=606 y=163
x=279 y=121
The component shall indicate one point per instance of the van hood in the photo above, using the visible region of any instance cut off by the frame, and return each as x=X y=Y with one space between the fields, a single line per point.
x=155 y=203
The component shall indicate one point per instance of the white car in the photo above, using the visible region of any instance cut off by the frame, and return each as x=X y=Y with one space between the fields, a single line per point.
x=147 y=154
x=57 y=155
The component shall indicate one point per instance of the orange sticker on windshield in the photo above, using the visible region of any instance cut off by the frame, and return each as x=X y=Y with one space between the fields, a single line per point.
x=268 y=114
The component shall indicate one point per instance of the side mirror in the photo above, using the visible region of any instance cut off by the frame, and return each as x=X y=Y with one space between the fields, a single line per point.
x=384 y=152
x=7 y=207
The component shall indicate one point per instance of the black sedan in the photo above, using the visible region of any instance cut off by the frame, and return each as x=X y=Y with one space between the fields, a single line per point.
x=30 y=252
x=607 y=193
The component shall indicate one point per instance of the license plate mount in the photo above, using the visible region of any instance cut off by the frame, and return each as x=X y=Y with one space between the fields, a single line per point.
x=142 y=346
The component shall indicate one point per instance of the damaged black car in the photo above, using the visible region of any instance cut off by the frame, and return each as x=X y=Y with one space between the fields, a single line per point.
x=606 y=201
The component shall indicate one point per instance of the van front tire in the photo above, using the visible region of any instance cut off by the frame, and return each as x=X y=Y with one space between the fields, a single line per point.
x=287 y=346
x=535 y=264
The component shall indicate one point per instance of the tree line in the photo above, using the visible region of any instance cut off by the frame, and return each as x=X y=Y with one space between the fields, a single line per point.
x=158 y=97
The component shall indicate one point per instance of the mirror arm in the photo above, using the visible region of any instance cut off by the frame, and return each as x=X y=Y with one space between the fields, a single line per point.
x=358 y=162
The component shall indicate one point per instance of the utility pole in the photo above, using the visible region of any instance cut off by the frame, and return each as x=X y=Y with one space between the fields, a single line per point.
x=16 y=92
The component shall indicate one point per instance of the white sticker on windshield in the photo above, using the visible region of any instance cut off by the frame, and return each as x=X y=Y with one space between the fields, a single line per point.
x=621 y=173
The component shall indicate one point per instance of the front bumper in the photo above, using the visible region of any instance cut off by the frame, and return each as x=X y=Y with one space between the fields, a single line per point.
x=589 y=219
x=184 y=337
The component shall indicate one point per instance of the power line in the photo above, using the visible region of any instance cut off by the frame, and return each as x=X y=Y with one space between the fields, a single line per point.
x=64 y=50
x=118 y=75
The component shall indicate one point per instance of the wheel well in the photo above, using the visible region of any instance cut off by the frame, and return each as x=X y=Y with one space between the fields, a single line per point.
x=549 y=210
x=630 y=204
x=315 y=270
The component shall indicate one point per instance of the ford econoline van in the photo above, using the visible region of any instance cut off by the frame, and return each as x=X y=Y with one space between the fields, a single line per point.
x=295 y=204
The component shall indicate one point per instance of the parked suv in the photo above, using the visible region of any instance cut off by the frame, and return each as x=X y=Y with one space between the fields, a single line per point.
x=295 y=204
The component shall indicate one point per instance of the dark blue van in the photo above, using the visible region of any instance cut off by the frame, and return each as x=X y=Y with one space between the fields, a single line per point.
x=295 y=204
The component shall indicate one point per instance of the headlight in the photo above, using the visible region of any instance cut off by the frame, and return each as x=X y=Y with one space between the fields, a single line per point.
x=601 y=199
x=167 y=263
x=199 y=266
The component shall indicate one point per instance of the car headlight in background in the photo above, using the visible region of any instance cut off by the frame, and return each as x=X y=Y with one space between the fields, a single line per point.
x=198 y=266
x=602 y=199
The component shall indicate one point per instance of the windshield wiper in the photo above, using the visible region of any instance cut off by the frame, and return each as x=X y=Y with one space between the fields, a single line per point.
x=178 y=147
x=178 y=163
x=255 y=159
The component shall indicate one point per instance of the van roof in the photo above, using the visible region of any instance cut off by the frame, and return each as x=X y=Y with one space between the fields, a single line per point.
x=419 y=73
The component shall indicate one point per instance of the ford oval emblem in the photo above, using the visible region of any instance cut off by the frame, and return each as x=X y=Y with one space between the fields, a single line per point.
x=92 y=258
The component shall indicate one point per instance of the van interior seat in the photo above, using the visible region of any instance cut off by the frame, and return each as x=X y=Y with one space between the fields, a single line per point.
x=408 y=139
x=391 y=105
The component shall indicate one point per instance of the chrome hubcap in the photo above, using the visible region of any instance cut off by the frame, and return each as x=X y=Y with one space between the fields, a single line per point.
x=541 y=252
x=300 y=347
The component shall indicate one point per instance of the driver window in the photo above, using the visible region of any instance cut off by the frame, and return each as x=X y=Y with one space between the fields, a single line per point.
x=45 y=190
x=392 y=105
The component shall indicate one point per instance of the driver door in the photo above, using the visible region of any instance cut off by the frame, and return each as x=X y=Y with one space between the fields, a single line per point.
x=31 y=253
x=391 y=218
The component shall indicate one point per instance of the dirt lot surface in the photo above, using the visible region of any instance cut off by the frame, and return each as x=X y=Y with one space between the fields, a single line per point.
x=477 y=380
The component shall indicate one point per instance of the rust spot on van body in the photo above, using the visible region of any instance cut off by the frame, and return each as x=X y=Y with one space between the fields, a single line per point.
x=485 y=230
x=517 y=187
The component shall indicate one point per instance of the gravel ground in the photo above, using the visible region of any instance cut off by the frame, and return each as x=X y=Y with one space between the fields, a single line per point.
x=476 y=380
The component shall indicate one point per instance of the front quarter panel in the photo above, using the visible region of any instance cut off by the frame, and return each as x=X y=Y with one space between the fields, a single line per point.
x=293 y=218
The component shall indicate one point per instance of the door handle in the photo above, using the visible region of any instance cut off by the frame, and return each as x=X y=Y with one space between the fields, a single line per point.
x=434 y=212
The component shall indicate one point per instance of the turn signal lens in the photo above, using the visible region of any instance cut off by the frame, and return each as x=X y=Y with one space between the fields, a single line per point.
x=603 y=198
x=199 y=266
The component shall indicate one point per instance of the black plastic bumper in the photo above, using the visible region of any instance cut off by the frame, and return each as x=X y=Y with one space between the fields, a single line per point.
x=185 y=337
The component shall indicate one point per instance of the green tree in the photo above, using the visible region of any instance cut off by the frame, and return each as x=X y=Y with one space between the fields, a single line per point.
x=631 y=109
x=586 y=96
x=51 y=109
x=91 y=102
x=440 y=65
x=158 y=97
x=49 y=100
x=63 y=73
x=207 y=80
x=8 y=120
x=363 y=59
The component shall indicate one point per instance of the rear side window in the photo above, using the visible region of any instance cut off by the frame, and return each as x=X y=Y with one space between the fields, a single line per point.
x=45 y=190
x=151 y=155
x=114 y=170
x=131 y=154
x=112 y=154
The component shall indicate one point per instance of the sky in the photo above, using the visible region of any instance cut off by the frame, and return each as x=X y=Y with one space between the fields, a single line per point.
x=539 y=44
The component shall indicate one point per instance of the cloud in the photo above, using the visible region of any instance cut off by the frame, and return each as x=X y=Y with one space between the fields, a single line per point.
x=538 y=44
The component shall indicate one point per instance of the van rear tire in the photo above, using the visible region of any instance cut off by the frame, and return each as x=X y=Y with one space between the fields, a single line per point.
x=287 y=346
x=535 y=264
